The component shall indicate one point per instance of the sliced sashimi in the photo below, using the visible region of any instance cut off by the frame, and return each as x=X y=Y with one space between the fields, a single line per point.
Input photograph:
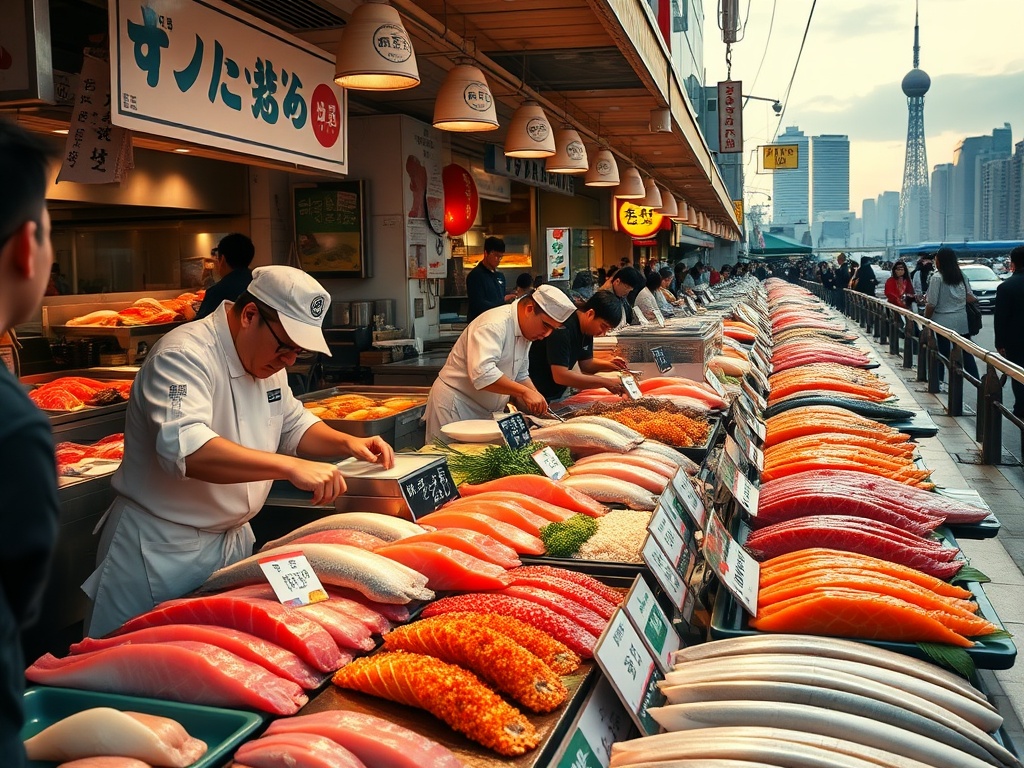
x=560 y=604
x=479 y=545
x=263 y=618
x=295 y=750
x=372 y=618
x=661 y=466
x=346 y=631
x=550 y=512
x=541 y=488
x=272 y=657
x=584 y=580
x=645 y=478
x=602 y=488
x=581 y=595
x=505 y=511
x=522 y=542
x=447 y=569
x=390 y=611
x=178 y=670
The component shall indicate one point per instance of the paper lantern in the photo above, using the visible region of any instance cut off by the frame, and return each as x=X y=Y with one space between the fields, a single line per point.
x=461 y=200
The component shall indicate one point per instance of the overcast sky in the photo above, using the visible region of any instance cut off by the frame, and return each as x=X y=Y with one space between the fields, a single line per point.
x=848 y=80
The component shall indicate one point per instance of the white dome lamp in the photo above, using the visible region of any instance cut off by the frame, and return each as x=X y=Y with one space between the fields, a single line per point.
x=570 y=155
x=669 y=207
x=375 y=52
x=631 y=186
x=465 y=103
x=652 y=195
x=529 y=133
x=604 y=171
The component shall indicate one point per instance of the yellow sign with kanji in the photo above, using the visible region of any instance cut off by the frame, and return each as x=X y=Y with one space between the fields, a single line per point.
x=639 y=220
x=781 y=157
x=737 y=210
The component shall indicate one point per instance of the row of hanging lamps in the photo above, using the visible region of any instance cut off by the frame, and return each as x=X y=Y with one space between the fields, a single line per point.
x=604 y=171
x=570 y=155
x=529 y=134
x=631 y=186
x=375 y=52
x=464 y=102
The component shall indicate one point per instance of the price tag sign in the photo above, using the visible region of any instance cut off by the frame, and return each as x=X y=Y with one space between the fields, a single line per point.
x=550 y=464
x=664 y=528
x=428 y=488
x=651 y=623
x=745 y=455
x=745 y=439
x=709 y=294
x=688 y=497
x=756 y=398
x=659 y=317
x=640 y=318
x=743 y=491
x=632 y=388
x=602 y=722
x=293 y=579
x=713 y=381
x=630 y=667
x=690 y=302
x=742 y=413
x=760 y=381
x=661 y=359
x=664 y=571
x=734 y=567
x=515 y=430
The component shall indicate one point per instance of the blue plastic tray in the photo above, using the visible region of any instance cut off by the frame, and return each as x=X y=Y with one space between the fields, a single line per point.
x=222 y=729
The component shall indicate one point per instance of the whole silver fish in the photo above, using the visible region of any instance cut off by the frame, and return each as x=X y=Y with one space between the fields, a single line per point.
x=586 y=436
x=659 y=450
x=609 y=490
x=386 y=527
x=340 y=565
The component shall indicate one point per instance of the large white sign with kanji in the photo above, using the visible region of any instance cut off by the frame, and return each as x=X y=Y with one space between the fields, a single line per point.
x=206 y=73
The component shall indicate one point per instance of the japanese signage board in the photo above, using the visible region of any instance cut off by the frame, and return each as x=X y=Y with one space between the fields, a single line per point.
x=661 y=359
x=737 y=210
x=548 y=461
x=429 y=488
x=737 y=570
x=515 y=430
x=426 y=247
x=558 y=247
x=623 y=657
x=638 y=220
x=330 y=229
x=730 y=116
x=780 y=157
x=529 y=172
x=211 y=74
x=651 y=623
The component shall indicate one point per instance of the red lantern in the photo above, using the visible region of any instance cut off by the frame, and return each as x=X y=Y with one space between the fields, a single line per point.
x=460 y=199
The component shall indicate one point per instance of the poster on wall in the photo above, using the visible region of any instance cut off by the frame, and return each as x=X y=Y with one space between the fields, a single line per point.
x=558 y=247
x=427 y=246
x=330 y=231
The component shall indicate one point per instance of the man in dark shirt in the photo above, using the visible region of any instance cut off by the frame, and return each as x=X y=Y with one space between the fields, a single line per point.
x=485 y=285
x=552 y=359
x=234 y=255
x=842 y=282
x=866 y=279
x=28 y=472
x=625 y=284
x=1009 y=323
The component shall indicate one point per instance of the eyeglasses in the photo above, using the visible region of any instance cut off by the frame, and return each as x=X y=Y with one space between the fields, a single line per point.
x=282 y=348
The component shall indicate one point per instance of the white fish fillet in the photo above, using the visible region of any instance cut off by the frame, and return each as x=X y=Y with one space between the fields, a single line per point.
x=589 y=436
x=340 y=565
x=603 y=421
x=832 y=673
x=384 y=527
x=647 y=479
x=800 y=717
x=608 y=490
x=159 y=741
x=664 y=452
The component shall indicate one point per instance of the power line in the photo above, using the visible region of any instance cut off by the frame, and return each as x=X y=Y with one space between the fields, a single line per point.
x=785 y=99
x=771 y=26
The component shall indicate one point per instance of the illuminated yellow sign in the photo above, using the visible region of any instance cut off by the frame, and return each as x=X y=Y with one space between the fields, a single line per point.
x=638 y=220
x=737 y=210
x=781 y=157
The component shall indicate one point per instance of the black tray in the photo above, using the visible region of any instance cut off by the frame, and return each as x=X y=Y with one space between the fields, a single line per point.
x=697 y=453
x=729 y=619
x=921 y=425
x=986 y=529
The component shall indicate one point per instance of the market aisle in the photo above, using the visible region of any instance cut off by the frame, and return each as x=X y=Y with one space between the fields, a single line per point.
x=1001 y=558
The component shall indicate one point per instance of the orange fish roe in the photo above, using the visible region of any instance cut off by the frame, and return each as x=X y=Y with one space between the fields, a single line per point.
x=448 y=692
x=552 y=652
x=674 y=429
x=494 y=657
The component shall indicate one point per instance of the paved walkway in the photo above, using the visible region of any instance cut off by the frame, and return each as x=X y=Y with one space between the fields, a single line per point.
x=1002 y=558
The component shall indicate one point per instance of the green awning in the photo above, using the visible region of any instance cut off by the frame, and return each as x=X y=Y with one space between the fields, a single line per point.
x=778 y=245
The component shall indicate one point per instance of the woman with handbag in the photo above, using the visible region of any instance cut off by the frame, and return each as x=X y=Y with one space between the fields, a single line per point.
x=948 y=295
x=898 y=289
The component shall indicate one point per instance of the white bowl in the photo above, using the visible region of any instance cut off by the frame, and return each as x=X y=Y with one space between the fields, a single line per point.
x=473 y=431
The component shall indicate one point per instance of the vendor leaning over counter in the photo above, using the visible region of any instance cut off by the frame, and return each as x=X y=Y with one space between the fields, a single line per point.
x=553 y=359
x=210 y=424
x=490 y=362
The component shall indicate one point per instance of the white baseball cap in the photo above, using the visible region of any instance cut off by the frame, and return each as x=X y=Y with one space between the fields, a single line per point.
x=554 y=302
x=301 y=303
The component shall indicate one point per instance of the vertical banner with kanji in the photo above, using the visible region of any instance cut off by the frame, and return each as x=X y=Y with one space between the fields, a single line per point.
x=730 y=116
x=95 y=152
x=214 y=75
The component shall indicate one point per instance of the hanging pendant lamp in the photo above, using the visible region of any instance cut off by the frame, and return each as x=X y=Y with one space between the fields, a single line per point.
x=682 y=210
x=652 y=195
x=668 y=204
x=631 y=186
x=464 y=102
x=529 y=133
x=570 y=154
x=604 y=171
x=375 y=52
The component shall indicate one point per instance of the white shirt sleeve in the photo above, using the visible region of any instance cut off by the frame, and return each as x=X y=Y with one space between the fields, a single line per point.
x=484 y=352
x=297 y=419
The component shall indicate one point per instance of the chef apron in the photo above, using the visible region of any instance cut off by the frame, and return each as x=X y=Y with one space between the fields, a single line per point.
x=446 y=405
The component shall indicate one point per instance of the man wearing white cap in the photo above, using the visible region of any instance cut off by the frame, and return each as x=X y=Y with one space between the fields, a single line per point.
x=490 y=362
x=211 y=423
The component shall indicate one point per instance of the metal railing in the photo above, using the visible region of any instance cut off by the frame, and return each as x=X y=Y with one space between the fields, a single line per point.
x=914 y=339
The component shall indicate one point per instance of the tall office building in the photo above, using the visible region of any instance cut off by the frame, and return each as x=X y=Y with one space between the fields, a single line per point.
x=830 y=173
x=914 y=205
x=993 y=209
x=888 y=208
x=965 y=213
x=869 y=220
x=789 y=188
x=1017 y=193
x=941 y=202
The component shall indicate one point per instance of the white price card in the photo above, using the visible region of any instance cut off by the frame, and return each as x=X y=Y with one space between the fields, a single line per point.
x=665 y=530
x=651 y=623
x=756 y=399
x=733 y=565
x=709 y=294
x=760 y=359
x=664 y=571
x=741 y=414
x=632 y=388
x=293 y=579
x=714 y=382
x=688 y=496
x=743 y=491
x=747 y=442
x=659 y=317
x=670 y=504
x=630 y=667
x=640 y=317
x=602 y=722
x=550 y=464
x=745 y=453
x=690 y=303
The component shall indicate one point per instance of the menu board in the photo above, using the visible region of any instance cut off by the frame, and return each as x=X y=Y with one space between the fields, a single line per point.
x=429 y=488
x=330 y=231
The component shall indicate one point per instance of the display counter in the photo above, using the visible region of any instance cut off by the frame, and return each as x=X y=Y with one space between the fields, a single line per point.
x=416 y=372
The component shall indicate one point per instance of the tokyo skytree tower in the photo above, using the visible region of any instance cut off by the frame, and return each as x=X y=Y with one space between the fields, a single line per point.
x=915 y=202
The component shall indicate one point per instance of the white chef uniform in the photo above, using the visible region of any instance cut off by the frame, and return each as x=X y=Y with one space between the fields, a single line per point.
x=492 y=346
x=166 y=533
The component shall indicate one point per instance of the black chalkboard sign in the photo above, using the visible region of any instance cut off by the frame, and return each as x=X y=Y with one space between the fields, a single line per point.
x=515 y=430
x=427 y=489
x=661 y=359
x=330 y=229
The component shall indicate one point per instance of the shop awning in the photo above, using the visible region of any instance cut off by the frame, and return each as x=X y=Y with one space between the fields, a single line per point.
x=779 y=245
